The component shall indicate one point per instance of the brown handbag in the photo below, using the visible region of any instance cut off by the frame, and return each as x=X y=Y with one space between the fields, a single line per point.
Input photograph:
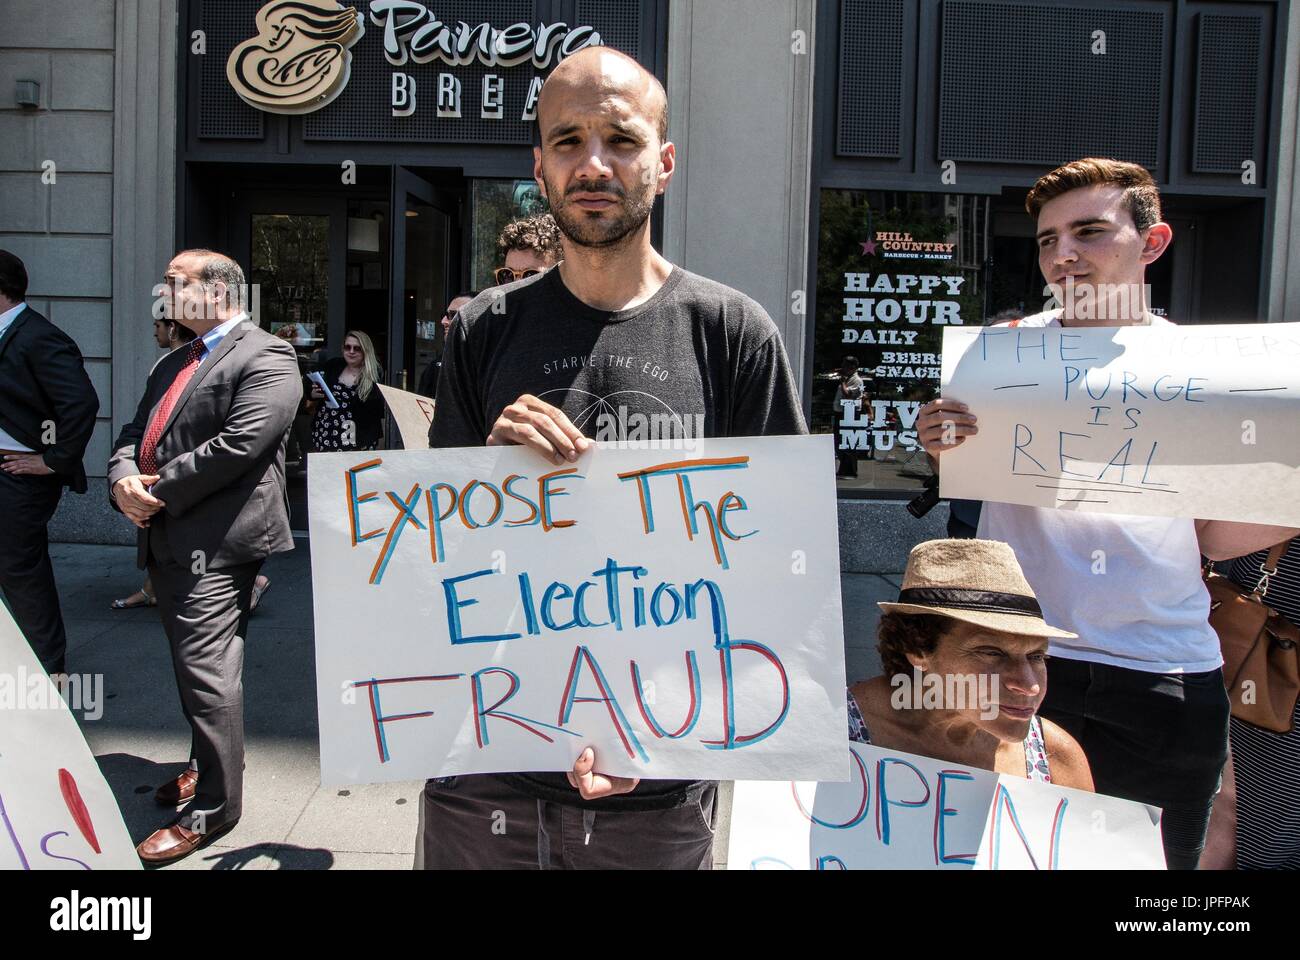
x=1261 y=648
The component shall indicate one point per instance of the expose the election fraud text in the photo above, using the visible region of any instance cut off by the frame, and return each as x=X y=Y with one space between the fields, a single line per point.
x=679 y=612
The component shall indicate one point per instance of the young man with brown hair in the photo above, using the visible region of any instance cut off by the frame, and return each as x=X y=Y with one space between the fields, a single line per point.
x=1141 y=689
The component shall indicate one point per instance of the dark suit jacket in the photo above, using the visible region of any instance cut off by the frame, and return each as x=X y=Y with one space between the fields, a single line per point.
x=221 y=453
x=43 y=380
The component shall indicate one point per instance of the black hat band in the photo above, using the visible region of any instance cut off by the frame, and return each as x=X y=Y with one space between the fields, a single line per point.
x=989 y=601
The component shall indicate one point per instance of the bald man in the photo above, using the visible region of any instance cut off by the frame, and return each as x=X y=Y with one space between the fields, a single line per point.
x=653 y=339
x=200 y=472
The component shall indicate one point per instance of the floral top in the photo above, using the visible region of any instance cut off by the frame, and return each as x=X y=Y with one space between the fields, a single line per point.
x=1035 y=747
x=330 y=429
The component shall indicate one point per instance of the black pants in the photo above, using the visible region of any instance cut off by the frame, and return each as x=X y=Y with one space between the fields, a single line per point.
x=1154 y=738
x=479 y=822
x=26 y=574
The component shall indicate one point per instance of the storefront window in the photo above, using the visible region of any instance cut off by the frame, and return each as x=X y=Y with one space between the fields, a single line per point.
x=495 y=204
x=894 y=270
x=366 y=284
x=290 y=271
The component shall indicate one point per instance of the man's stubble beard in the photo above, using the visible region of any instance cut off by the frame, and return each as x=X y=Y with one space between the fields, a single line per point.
x=585 y=231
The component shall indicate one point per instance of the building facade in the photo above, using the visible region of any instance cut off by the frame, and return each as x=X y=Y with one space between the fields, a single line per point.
x=857 y=166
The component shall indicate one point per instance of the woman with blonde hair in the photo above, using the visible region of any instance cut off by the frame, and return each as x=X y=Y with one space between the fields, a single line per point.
x=357 y=422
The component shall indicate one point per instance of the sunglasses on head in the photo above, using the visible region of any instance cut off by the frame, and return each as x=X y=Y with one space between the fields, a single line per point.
x=504 y=275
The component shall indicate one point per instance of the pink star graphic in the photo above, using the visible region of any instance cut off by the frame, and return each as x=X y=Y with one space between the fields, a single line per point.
x=869 y=248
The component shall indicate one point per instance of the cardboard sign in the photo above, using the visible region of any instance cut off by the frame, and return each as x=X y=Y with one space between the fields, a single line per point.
x=484 y=610
x=1166 y=421
x=56 y=811
x=904 y=812
x=413 y=415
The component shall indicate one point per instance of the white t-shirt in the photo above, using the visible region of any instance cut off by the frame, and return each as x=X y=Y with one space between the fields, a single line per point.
x=1130 y=587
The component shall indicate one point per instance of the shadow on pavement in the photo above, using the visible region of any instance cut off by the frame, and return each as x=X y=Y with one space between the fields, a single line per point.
x=282 y=857
x=133 y=781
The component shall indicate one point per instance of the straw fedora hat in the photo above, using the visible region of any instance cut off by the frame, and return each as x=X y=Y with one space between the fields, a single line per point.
x=975 y=581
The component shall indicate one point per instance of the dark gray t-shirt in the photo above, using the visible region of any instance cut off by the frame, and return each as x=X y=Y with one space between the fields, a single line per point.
x=696 y=359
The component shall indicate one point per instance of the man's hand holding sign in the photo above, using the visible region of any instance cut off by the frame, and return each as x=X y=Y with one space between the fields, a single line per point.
x=538 y=425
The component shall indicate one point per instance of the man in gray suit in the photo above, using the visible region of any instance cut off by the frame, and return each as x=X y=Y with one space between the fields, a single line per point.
x=200 y=470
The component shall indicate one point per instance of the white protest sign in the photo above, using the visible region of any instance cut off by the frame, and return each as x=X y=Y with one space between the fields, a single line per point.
x=56 y=811
x=483 y=610
x=1160 y=420
x=904 y=812
x=413 y=415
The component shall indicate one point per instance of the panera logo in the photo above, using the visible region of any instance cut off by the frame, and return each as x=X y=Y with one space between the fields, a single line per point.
x=300 y=60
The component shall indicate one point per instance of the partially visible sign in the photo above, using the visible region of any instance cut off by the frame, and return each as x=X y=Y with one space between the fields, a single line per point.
x=299 y=61
x=1160 y=421
x=413 y=415
x=56 y=811
x=904 y=812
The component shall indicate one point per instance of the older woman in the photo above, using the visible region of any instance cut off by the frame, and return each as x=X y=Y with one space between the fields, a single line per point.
x=965 y=657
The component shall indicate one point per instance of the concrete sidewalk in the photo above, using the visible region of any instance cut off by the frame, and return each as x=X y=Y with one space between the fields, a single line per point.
x=290 y=821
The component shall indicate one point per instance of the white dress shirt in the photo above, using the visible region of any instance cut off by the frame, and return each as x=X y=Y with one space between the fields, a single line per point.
x=212 y=339
x=6 y=441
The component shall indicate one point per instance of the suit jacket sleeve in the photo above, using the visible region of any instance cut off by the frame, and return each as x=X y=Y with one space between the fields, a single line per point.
x=261 y=413
x=122 y=463
x=71 y=396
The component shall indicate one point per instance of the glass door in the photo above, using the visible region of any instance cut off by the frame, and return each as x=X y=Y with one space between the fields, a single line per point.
x=425 y=244
x=293 y=248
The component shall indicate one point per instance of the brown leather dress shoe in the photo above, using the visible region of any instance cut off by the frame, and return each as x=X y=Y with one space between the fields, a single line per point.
x=169 y=844
x=178 y=791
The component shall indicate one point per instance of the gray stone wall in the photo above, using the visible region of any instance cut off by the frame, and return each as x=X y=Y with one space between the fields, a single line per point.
x=740 y=112
x=56 y=176
x=97 y=238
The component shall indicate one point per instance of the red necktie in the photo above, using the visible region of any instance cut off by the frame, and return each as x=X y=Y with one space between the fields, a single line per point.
x=148 y=459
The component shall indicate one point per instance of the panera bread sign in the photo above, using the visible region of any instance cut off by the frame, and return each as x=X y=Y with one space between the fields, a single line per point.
x=301 y=58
